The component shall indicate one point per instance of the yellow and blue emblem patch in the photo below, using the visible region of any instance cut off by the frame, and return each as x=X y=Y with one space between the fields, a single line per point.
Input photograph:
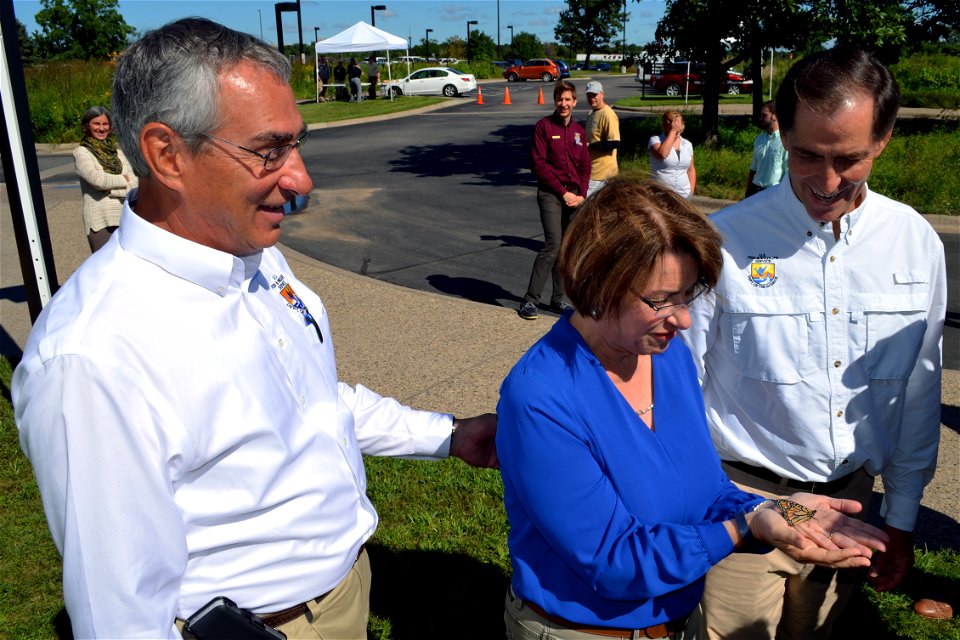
x=763 y=271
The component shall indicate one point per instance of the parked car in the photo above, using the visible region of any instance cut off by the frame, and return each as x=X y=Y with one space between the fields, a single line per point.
x=601 y=66
x=433 y=81
x=535 y=69
x=564 y=68
x=674 y=81
x=503 y=64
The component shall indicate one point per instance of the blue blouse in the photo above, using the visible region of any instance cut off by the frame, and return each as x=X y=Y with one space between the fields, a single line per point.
x=611 y=524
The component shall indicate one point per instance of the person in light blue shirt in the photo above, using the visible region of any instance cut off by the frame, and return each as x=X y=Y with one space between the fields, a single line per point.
x=617 y=501
x=769 y=162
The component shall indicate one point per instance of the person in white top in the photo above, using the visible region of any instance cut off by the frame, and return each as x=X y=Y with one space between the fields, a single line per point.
x=178 y=398
x=820 y=353
x=671 y=156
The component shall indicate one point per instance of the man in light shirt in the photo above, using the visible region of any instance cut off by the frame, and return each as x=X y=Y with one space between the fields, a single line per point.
x=603 y=137
x=820 y=353
x=178 y=397
x=768 y=164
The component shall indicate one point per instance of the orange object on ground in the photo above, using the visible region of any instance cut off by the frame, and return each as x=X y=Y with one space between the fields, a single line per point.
x=506 y=95
x=479 y=95
x=540 y=96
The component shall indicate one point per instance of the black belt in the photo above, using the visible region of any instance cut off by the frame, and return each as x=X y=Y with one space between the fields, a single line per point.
x=825 y=488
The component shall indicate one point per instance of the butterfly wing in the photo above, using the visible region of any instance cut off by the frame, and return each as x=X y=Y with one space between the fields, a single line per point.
x=793 y=512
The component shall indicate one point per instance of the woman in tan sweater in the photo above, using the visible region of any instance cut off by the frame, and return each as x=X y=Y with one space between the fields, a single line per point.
x=105 y=177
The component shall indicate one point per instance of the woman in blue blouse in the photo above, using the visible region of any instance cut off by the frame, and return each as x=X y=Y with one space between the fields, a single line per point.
x=617 y=502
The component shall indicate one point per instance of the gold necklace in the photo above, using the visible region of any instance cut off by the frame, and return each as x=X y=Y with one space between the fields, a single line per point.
x=640 y=412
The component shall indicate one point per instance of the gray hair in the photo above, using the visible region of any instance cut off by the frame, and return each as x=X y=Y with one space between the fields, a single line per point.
x=171 y=75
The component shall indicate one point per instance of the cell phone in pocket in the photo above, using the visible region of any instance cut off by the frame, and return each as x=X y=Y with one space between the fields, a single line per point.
x=222 y=619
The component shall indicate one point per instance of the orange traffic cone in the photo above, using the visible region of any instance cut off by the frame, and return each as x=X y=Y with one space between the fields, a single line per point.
x=540 y=96
x=479 y=95
x=506 y=96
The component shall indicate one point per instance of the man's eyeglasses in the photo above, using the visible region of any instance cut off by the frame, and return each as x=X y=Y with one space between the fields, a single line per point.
x=663 y=309
x=272 y=159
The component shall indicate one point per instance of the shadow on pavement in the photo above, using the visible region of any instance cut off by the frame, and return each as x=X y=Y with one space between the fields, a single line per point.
x=511 y=144
x=471 y=289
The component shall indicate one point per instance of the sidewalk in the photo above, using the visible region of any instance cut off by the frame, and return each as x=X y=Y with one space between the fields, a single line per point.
x=427 y=350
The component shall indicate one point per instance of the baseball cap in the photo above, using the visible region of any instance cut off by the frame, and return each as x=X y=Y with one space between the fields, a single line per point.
x=594 y=87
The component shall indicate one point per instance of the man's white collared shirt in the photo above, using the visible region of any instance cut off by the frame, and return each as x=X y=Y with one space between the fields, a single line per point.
x=820 y=356
x=190 y=438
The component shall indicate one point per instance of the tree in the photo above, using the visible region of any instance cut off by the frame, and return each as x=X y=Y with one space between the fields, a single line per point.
x=525 y=46
x=589 y=25
x=454 y=47
x=27 y=45
x=933 y=21
x=482 y=46
x=81 y=29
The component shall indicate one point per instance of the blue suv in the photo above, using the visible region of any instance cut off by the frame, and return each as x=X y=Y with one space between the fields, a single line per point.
x=564 y=68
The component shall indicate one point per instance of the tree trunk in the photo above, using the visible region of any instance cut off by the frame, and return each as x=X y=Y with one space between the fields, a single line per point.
x=756 y=72
x=711 y=99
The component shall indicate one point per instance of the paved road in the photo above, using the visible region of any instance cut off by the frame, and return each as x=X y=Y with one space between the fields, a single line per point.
x=444 y=201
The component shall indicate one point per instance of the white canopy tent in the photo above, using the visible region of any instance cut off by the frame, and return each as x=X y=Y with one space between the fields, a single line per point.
x=361 y=37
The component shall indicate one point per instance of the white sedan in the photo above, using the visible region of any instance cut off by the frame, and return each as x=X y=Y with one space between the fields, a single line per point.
x=433 y=81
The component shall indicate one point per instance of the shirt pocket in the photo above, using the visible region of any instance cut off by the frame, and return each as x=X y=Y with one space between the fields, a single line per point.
x=769 y=337
x=895 y=325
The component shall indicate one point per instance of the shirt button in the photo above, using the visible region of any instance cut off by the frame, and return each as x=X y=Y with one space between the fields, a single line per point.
x=834 y=311
x=219 y=291
x=833 y=258
x=280 y=342
x=839 y=414
x=836 y=363
x=809 y=233
x=303 y=400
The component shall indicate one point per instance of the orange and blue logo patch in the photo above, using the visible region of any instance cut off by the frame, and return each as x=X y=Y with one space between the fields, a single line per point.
x=763 y=271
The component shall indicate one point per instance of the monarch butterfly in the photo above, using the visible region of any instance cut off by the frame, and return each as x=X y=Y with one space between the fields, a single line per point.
x=793 y=512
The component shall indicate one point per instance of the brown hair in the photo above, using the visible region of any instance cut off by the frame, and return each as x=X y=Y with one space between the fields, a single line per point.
x=560 y=87
x=825 y=80
x=620 y=234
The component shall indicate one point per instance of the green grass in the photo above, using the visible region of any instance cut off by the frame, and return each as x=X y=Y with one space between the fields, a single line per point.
x=30 y=595
x=439 y=556
x=905 y=171
x=337 y=111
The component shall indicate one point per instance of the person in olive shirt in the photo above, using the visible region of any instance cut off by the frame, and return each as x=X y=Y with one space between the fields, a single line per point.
x=560 y=160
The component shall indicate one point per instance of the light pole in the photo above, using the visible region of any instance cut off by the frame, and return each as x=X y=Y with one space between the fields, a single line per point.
x=260 y=14
x=429 y=31
x=469 y=22
x=510 y=26
x=373 y=17
x=498 y=29
x=316 y=35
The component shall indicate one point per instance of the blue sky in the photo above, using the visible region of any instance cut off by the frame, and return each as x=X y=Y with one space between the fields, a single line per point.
x=405 y=18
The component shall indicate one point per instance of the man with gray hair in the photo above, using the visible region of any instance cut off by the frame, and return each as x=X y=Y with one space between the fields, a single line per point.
x=178 y=398
x=820 y=354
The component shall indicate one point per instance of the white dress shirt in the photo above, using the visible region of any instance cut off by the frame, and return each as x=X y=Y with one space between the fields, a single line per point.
x=190 y=437
x=817 y=356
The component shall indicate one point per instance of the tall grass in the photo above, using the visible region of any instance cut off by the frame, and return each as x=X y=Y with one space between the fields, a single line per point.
x=918 y=167
x=929 y=79
x=60 y=92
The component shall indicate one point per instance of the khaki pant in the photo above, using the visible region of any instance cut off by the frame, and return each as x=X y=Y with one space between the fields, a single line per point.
x=525 y=624
x=340 y=615
x=754 y=596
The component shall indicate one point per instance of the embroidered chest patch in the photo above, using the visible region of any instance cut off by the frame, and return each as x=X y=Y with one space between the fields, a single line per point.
x=763 y=270
x=294 y=302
